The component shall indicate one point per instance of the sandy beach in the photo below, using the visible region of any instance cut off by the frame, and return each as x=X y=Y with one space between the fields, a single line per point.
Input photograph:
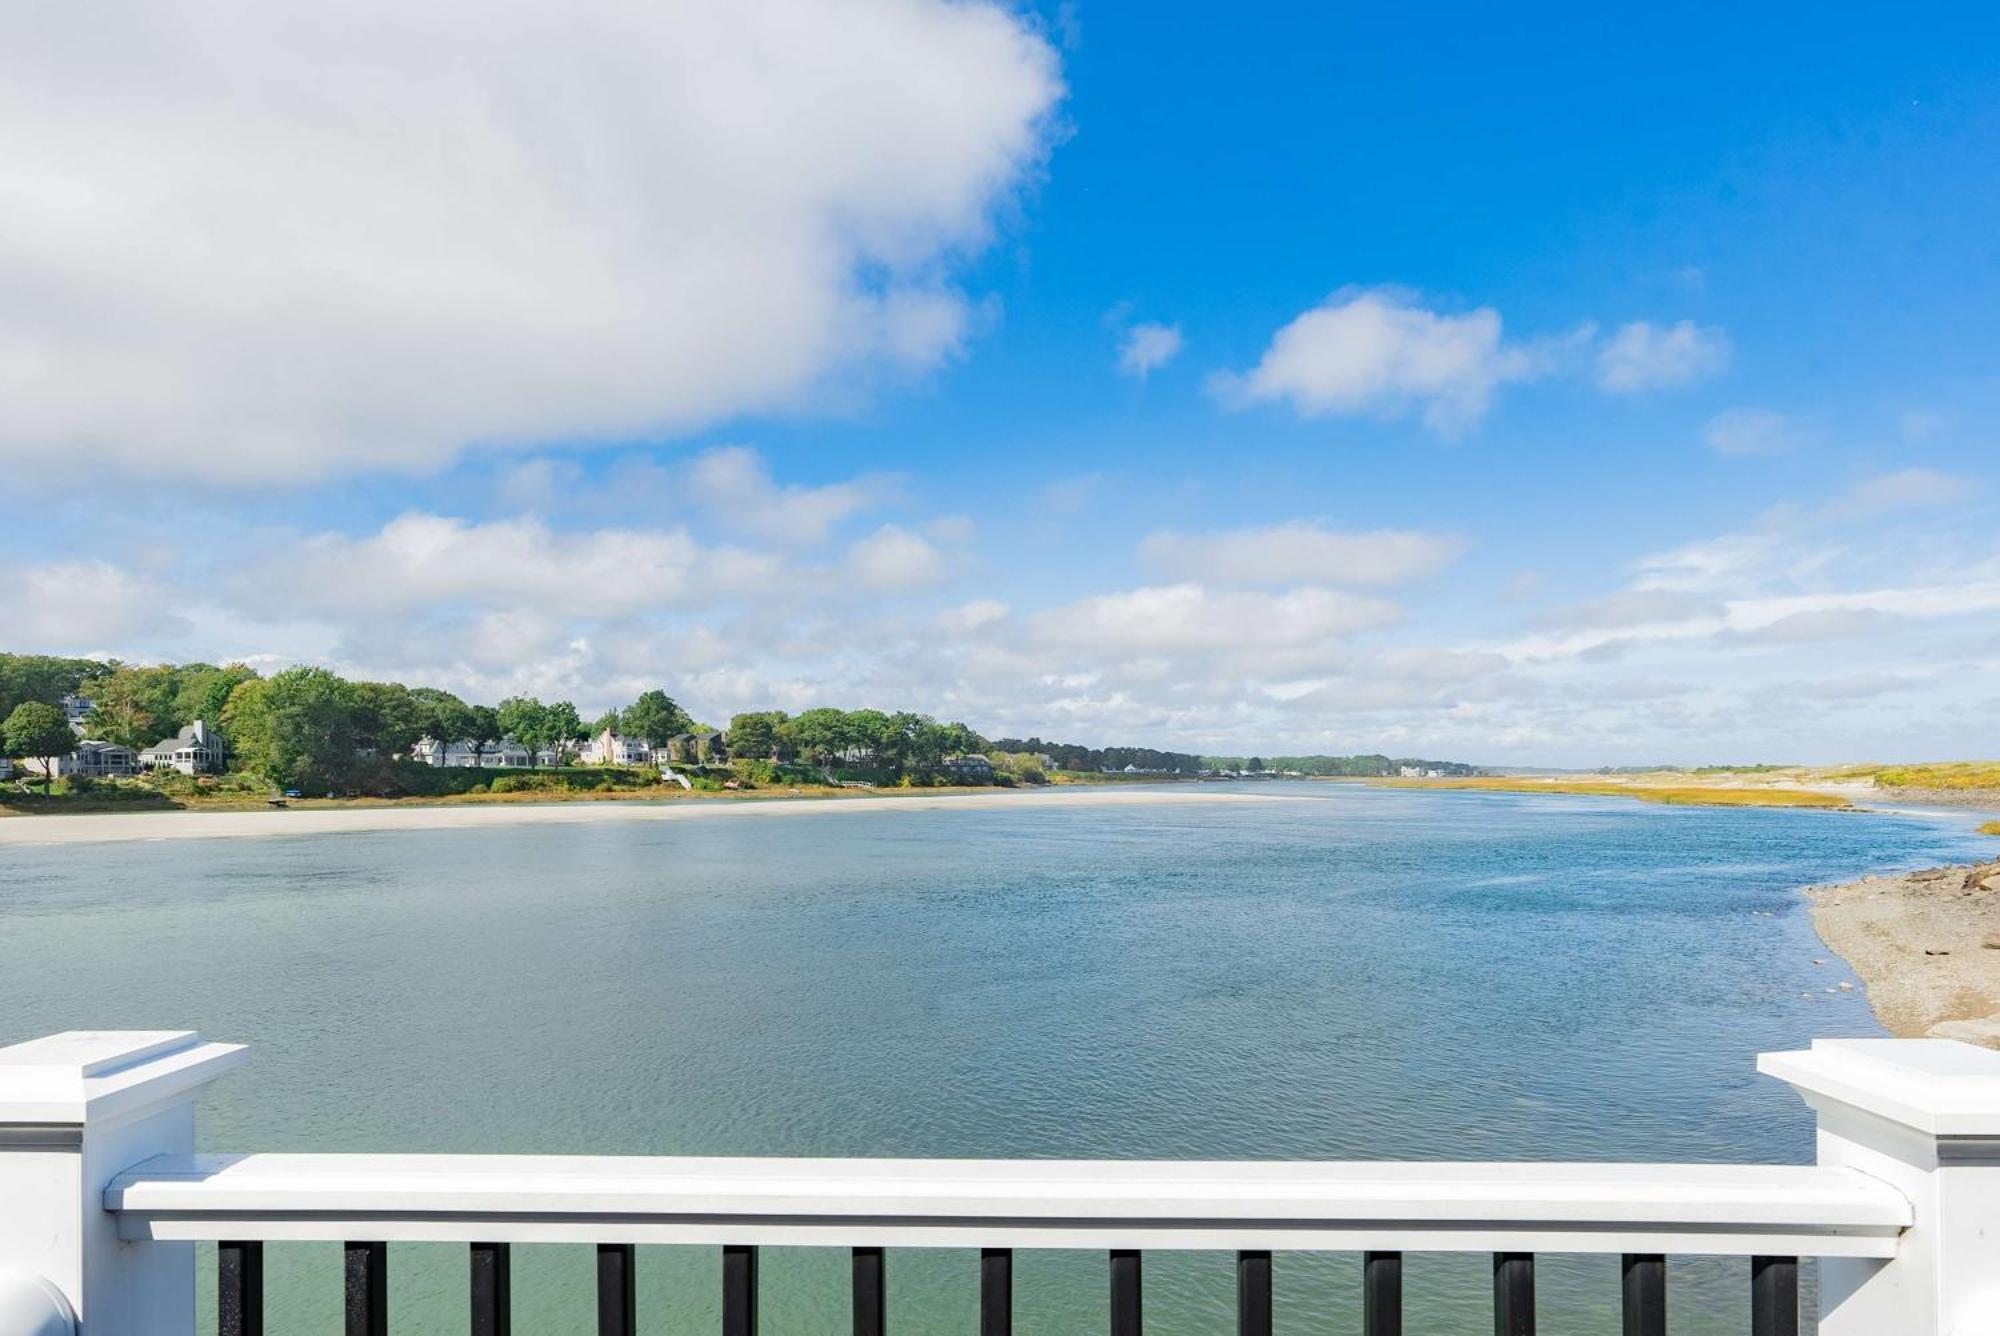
x=1926 y=946
x=122 y=827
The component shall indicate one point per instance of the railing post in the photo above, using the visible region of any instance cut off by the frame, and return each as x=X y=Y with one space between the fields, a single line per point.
x=75 y=1110
x=1922 y=1115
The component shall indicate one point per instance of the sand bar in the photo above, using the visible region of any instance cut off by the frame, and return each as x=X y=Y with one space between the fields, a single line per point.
x=98 y=828
x=1926 y=945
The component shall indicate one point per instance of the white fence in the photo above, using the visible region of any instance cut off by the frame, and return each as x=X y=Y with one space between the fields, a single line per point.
x=102 y=1198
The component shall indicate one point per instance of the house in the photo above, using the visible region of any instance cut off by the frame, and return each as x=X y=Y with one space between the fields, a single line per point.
x=971 y=767
x=90 y=760
x=609 y=748
x=192 y=751
x=6 y=768
x=696 y=748
x=506 y=754
x=77 y=710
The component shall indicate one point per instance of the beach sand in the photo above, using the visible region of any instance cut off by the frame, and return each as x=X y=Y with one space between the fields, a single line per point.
x=100 y=828
x=1925 y=944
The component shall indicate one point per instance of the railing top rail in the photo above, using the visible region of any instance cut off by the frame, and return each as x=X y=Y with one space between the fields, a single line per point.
x=1581 y=1207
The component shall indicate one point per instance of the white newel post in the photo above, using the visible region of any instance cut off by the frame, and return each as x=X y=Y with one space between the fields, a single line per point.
x=76 y=1109
x=1924 y=1116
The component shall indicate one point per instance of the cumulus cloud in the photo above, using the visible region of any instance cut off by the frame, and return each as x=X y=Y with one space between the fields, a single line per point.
x=83 y=607
x=1750 y=431
x=892 y=560
x=1645 y=356
x=1300 y=552
x=276 y=240
x=734 y=484
x=1146 y=347
x=1378 y=352
x=1179 y=618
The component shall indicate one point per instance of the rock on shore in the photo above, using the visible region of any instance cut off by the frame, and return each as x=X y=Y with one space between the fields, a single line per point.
x=1927 y=946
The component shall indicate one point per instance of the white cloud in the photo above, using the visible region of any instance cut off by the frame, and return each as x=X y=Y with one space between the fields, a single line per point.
x=1645 y=356
x=892 y=560
x=1147 y=347
x=1377 y=352
x=971 y=616
x=1905 y=489
x=1300 y=552
x=733 y=483
x=82 y=607
x=1180 y=618
x=274 y=241
x=1750 y=431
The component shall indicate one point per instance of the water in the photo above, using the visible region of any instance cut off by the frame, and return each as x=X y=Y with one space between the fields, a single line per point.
x=1355 y=974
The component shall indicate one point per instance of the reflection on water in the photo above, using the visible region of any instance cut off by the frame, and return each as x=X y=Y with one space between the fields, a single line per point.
x=1357 y=974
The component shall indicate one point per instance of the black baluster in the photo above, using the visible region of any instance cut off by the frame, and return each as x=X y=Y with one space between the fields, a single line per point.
x=1645 y=1294
x=1774 y=1296
x=871 y=1316
x=1253 y=1294
x=1513 y=1294
x=239 y=1289
x=492 y=1285
x=1126 y=1306
x=617 y=1289
x=739 y=1290
x=996 y=1292
x=367 y=1289
x=1382 y=1294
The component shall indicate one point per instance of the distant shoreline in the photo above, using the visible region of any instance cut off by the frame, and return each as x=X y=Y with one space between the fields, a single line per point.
x=125 y=827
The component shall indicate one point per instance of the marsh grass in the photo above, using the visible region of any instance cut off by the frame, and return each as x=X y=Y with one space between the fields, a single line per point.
x=1689 y=795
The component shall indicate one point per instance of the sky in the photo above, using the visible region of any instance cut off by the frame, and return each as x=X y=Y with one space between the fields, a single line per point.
x=1555 y=384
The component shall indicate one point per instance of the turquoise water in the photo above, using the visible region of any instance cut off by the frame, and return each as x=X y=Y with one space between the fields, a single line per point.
x=1355 y=974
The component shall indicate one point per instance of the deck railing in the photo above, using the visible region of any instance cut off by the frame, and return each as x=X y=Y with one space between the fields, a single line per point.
x=102 y=1200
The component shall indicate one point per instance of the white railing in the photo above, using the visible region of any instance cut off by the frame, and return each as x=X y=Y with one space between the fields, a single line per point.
x=102 y=1198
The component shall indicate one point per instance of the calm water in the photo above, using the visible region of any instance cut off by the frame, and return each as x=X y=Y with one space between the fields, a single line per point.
x=1358 y=973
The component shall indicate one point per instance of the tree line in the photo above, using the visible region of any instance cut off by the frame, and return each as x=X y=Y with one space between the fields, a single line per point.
x=1074 y=756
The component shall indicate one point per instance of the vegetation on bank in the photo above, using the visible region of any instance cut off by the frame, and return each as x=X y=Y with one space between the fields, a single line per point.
x=1690 y=795
x=1990 y=828
x=1951 y=776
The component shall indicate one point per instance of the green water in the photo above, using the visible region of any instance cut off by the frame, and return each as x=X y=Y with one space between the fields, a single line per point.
x=1355 y=974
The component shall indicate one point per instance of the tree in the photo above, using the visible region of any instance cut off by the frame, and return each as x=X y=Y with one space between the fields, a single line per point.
x=42 y=677
x=204 y=689
x=608 y=722
x=822 y=735
x=565 y=729
x=526 y=720
x=446 y=718
x=756 y=736
x=482 y=729
x=656 y=718
x=41 y=730
x=876 y=732
x=134 y=707
x=1255 y=765
x=296 y=728
x=388 y=718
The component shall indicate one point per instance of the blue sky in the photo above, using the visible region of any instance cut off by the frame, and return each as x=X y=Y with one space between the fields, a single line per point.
x=1558 y=385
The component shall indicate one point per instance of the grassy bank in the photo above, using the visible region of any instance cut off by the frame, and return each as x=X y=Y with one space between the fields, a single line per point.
x=1679 y=795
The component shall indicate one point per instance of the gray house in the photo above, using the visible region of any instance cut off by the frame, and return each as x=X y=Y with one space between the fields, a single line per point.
x=192 y=751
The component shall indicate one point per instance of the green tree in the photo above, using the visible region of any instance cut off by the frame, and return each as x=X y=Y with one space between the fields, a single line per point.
x=656 y=718
x=821 y=735
x=446 y=718
x=40 y=730
x=876 y=732
x=526 y=720
x=388 y=718
x=203 y=689
x=565 y=729
x=134 y=707
x=757 y=736
x=43 y=677
x=608 y=721
x=296 y=729
x=482 y=729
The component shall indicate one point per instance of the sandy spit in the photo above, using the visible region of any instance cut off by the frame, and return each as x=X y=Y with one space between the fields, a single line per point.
x=121 y=826
x=1926 y=945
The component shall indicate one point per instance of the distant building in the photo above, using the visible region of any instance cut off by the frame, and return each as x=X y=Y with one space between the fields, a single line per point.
x=696 y=748
x=971 y=766
x=6 y=768
x=192 y=751
x=609 y=748
x=90 y=760
x=77 y=710
x=506 y=754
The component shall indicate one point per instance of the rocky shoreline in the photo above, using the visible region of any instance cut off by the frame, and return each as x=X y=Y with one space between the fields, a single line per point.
x=1926 y=945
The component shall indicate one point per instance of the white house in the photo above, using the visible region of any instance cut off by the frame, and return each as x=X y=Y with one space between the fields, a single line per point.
x=609 y=748
x=192 y=751
x=506 y=754
x=77 y=709
x=90 y=760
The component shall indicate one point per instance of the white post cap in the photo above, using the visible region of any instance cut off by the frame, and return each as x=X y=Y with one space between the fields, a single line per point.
x=1939 y=1087
x=88 y=1076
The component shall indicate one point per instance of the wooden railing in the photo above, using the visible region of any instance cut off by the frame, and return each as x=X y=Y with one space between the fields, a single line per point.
x=1903 y=1210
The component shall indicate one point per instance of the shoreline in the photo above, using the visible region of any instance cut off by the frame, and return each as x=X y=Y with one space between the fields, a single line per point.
x=1925 y=945
x=127 y=827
